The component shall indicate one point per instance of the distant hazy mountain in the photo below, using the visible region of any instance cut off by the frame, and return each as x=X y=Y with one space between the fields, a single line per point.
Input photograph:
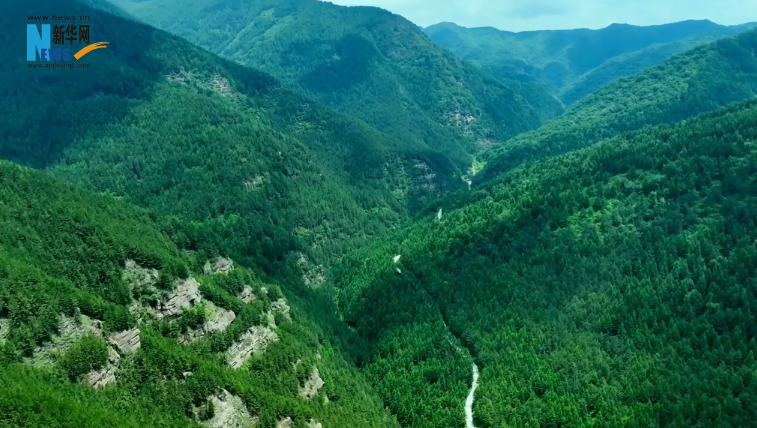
x=363 y=61
x=575 y=63
x=696 y=81
x=169 y=126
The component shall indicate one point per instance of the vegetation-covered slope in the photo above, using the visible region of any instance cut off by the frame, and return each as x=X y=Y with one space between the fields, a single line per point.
x=575 y=63
x=614 y=286
x=257 y=169
x=360 y=60
x=78 y=268
x=700 y=80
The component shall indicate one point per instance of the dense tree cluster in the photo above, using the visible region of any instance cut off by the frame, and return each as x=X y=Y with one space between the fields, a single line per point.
x=62 y=253
x=610 y=287
x=697 y=81
x=576 y=63
x=363 y=61
x=256 y=169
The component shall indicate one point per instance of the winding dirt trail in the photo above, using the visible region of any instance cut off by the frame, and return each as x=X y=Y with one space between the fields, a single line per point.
x=469 y=400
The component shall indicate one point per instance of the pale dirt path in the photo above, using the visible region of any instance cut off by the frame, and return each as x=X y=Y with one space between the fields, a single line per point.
x=469 y=400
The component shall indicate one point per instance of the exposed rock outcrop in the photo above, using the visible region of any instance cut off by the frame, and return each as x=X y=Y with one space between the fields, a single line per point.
x=254 y=340
x=69 y=332
x=222 y=86
x=5 y=328
x=314 y=424
x=220 y=266
x=106 y=375
x=285 y=423
x=312 y=275
x=247 y=295
x=312 y=385
x=127 y=342
x=100 y=378
x=230 y=412
x=254 y=183
x=185 y=296
x=218 y=320
x=281 y=307
x=137 y=276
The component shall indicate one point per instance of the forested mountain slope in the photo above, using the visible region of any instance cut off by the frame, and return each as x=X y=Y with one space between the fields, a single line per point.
x=280 y=181
x=576 y=63
x=361 y=60
x=696 y=81
x=613 y=286
x=104 y=322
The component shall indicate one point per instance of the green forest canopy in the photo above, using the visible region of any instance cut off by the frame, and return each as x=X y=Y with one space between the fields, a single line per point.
x=363 y=61
x=245 y=164
x=614 y=286
x=63 y=253
x=576 y=63
x=697 y=81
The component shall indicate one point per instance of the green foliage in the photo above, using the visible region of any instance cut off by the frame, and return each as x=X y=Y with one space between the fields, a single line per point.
x=90 y=353
x=576 y=63
x=52 y=238
x=610 y=287
x=206 y=412
x=364 y=61
x=697 y=81
x=238 y=163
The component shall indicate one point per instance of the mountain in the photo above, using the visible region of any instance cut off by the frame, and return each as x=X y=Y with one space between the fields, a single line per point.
x=612 y=286
x=363 y=61
x=700 y=80
x=575 y=63
x=241 y=163
x=105 y=322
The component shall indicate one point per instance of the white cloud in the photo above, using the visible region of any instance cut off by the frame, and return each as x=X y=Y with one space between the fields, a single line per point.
x=523 y=15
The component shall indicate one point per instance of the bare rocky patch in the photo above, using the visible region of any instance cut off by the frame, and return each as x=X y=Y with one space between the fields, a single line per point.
x=137 y=276
x=313 y=275
x=247 y=295
x=221 y=265
x=254 y=340
x=279 y=306
x=185 y=296
x=229 y=412
x=312 y=385
x=180 y=77
x=127 y=341
x=5 y=329
x=254 y=183
x=222 y=86
x=107 y=375
x=285 y=423
x=426 y=176
x=69 y=332
x=218 y=319
x=462 y=121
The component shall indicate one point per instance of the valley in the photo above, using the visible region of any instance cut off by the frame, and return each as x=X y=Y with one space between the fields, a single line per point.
x=295 y=214
x=470 y=398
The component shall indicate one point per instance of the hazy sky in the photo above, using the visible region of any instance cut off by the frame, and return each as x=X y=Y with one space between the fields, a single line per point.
x=522 y=15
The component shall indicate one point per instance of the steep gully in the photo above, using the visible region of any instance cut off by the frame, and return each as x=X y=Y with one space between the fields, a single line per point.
x=469 y=400
x=474 y=384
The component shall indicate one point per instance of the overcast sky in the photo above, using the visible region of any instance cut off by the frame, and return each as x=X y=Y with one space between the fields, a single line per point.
x=523 y=15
